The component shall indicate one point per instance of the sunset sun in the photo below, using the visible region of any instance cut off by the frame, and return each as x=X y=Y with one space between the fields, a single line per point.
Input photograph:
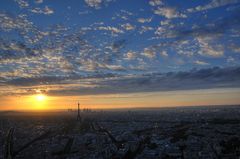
x=40 y=97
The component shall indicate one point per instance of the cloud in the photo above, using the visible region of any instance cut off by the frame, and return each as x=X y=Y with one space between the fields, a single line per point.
x=126 y=12
x=149 y=53
x=213 y=4
x=145 y=29
x=46 y=10
x=194 y=79
x=144 y=20
x=63 y=51
x=96 y=3
x=113 y=52
x=214 y=28
x=14 y=50
x=119 y=44
x=9 y=23
x=169 y=12
x=112 y=29
x=207 y=36
x=130 y=55
x=155 y=2
x=201 y=62
x=209 y=50
x=128 y=26
x=214 y=77
x=165 y=22
x=22 y=3
x=82 y=57
x=38 y=1
x=164 y=53
x=230 y=59
x=55 y=79
x=235 y=48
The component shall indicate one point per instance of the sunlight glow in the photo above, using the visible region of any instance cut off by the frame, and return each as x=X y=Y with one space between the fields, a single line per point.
x=40 y=97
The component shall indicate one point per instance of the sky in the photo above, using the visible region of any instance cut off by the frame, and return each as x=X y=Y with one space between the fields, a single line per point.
x=119 y=53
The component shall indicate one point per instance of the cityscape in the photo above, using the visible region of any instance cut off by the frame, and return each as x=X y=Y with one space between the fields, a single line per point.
x=120 y=79
x=182 y=132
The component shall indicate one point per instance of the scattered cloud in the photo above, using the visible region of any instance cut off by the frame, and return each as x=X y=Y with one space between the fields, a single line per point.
x=209 y=50
x=213 y=4
x=130 y=55
x=149 y=53
x=198 y=62
x=164 y=53
x=230 y=59
x=128 y=26
x=96 y=3
x=165 y=22
x=113 y=30
x=38 y=1
x=185 y=80
x=93 y=3
x=118 y=52
x=46 y=10
x=22 y=3
x=235 y=48
x=155 y=2
x=169 y=12
x=144 y=20
x=145 y=29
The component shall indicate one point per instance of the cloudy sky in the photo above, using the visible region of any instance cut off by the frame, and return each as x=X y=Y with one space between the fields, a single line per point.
x=120 y=52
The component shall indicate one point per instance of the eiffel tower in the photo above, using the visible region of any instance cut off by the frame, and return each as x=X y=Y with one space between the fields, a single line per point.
x=78 y=116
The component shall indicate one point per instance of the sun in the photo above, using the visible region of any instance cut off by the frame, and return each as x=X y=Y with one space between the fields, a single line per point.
x=40 y=97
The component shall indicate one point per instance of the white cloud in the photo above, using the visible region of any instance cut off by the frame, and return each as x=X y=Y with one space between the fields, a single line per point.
x=165 y=22
x=96 y=3
x=114 y=30
x=164 y=53
x=209 y=50
x=93 y=3
x=46 y=10
x=130 y=55
x=155 y=2
x=144 y=20
x=22 y=3
x=201 y=62
x=126 y=12
x=165 y=32
x=160 y=31
x=128 y=26
x=169 y=12
x=145 y=29
x=8 y=23
x=149 y=53
x=115 y=67
x=213 y=4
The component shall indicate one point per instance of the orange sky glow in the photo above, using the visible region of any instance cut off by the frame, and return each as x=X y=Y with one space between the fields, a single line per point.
x=111 y=101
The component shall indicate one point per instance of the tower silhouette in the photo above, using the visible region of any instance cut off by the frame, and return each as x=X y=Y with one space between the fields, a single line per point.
x=78 y=116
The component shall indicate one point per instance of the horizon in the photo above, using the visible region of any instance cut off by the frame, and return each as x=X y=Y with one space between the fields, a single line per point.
x=119 y=109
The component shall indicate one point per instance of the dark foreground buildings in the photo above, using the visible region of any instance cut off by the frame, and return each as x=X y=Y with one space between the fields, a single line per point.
x=200 y=132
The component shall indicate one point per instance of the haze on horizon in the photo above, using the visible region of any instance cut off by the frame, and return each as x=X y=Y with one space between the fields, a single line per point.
x=119 y=53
